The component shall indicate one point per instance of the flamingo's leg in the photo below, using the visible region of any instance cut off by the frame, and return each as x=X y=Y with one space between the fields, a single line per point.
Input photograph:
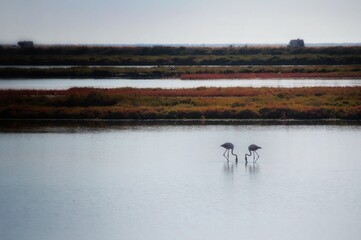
x=257 y=156
x=228 y=154
x=224 y=154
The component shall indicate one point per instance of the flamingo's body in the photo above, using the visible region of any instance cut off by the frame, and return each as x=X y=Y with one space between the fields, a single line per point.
x=229 y=146
x=252 y=149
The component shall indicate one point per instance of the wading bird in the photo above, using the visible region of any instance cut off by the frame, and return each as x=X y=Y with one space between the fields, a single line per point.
x=229 y=146
x=252 y=148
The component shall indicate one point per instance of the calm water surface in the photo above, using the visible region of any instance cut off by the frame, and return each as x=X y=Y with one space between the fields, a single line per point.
x=171 y=182
x=172 y=83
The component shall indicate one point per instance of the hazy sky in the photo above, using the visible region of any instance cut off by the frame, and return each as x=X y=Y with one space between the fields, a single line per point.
x=179 y=21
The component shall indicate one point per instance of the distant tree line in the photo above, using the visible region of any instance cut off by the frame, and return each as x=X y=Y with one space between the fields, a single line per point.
x=179 y=51
x=163 y=55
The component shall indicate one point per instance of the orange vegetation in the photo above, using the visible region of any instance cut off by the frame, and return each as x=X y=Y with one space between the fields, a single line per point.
x=198 y=103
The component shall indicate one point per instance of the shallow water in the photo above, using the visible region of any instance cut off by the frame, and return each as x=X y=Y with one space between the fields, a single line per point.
x=172 y=182
x=172 y=83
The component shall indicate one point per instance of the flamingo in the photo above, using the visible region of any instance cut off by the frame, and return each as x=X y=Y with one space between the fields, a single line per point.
x=252 y=149
x=229 y=146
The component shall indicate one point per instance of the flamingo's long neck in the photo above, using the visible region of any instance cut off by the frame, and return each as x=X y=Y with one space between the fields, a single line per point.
x=250 y=154
x=234 y=155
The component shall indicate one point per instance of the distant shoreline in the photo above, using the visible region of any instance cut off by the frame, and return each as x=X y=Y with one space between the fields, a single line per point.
x=183 y=62
x=167 y=55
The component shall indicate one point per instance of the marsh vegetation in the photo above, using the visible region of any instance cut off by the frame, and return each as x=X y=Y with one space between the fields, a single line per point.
x=164 y=55
x=198 y=103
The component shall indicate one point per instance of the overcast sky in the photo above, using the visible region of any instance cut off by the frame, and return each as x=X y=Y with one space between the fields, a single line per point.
x=179 y=21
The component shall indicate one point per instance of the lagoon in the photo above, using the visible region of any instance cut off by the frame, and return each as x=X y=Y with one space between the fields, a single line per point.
x=172 y=83
x=171 y=182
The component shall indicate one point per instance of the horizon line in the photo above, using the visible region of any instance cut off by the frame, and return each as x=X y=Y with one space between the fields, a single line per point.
x=184 y=44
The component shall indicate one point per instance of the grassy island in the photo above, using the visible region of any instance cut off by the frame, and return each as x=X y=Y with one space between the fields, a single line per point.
x=199 y=103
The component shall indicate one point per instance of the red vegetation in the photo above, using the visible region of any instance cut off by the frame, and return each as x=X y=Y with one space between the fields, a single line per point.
x=269 y=75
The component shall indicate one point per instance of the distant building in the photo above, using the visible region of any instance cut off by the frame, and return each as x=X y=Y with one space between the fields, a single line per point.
x=26 y=44
x=296 y=43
